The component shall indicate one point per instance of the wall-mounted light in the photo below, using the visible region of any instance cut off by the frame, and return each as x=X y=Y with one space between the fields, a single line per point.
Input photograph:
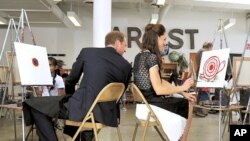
x=159 y=2
x=3 y=21
x=74 y=18
x=57 y=1
x=228 y=23
x=154 y=18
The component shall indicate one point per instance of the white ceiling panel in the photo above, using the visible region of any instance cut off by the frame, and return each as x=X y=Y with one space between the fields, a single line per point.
x=50 y=13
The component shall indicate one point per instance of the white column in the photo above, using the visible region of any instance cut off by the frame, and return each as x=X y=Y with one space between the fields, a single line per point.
x=101 y=21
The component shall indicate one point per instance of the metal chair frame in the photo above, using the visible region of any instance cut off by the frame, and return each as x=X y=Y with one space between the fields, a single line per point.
x=111 y=92
x=138 y=97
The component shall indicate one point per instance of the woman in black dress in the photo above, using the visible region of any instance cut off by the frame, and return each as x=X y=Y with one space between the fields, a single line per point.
x=147 y=77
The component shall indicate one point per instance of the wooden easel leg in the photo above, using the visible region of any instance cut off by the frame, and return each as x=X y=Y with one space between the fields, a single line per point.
x=188 y=123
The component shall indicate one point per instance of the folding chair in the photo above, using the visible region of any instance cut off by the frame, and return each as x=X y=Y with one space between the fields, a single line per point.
x=111 y=92
x=152 y=120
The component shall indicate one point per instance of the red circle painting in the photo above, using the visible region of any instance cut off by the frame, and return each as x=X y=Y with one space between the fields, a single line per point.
x=212 y=67
x=35 y=62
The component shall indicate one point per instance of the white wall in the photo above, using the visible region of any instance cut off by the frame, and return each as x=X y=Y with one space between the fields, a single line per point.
x=206 y=22
x=70 y=41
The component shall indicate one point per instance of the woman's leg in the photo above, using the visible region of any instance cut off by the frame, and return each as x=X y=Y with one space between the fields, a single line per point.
x=188 y=124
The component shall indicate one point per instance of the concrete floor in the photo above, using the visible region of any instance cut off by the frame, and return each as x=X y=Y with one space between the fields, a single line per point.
x=202 y=129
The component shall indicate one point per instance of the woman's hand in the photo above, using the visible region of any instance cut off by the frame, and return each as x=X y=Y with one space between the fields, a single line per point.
x=190 y=97
x=187 y=84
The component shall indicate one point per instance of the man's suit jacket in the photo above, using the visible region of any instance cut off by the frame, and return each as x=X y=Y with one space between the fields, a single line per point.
x=99 y=67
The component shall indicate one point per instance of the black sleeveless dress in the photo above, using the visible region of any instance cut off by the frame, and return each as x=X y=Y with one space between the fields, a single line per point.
x=142 y=63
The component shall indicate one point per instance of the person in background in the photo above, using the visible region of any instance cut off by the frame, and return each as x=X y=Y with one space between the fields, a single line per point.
x=100 y=66
x=244 y=100
x=59 y=70
x=203 y=93
x=57 y=89
x=64 y=76
x=156 y=90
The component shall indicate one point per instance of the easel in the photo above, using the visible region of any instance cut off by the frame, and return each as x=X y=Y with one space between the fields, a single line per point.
x=233 y=89
x=237 y=78
x=222 y=33
x=10 y=27
x=23 y=16
x=220 y=108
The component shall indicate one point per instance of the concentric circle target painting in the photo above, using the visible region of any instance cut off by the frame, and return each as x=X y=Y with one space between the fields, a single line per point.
x=213 y=67
x=33 y=64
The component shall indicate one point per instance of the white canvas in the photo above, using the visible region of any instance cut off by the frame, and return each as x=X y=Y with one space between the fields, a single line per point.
x=243 y=78
x=213 y=68
x=33 y=64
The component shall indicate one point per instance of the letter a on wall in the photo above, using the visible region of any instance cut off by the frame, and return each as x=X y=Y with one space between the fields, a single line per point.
x=213 y=68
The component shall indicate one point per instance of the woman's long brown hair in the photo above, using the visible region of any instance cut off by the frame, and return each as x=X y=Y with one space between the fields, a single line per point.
x=150 y=39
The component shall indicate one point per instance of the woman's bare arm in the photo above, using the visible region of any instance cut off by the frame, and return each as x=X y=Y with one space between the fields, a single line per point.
x=164 y=87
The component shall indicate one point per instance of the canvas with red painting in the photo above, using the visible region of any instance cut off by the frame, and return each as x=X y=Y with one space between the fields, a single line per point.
x=213 y=68
x=33 y=64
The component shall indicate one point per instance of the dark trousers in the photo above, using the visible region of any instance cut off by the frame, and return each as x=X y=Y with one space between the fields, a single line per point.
x=202 y=97
x=46 y=131
x=244 y=98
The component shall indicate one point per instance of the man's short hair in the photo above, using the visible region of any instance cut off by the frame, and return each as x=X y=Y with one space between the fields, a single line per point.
x=112 y=36
x=207 y=45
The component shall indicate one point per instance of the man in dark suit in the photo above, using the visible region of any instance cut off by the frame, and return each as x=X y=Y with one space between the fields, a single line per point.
x=99 y=67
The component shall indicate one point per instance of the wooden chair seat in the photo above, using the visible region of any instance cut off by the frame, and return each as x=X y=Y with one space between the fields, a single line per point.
x=87 y=125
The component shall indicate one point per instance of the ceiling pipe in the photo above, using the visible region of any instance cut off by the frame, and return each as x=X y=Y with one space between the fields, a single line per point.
x=46 y=4
x=164 y=10
x=59 y=13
